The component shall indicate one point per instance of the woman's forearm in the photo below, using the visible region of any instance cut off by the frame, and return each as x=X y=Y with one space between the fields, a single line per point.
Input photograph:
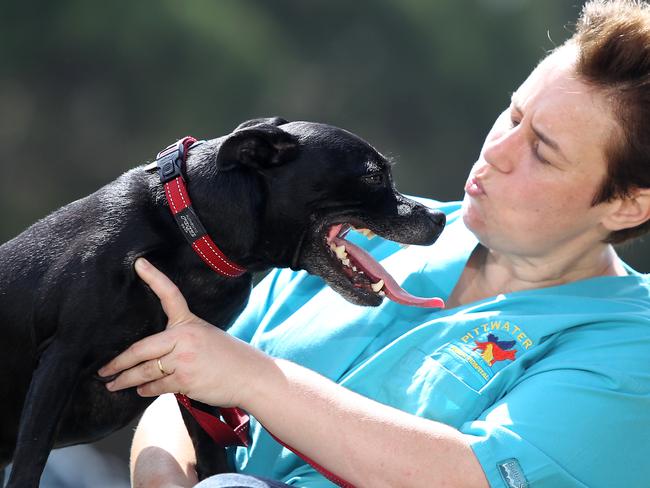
x=360 y=440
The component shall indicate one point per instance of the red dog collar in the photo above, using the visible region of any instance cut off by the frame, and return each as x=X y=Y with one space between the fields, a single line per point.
x=169 y=163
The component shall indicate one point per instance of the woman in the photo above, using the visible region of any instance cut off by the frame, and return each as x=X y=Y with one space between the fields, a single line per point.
x=535 y=373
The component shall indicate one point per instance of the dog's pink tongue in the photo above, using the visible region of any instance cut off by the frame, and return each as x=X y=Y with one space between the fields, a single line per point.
x=377 y=272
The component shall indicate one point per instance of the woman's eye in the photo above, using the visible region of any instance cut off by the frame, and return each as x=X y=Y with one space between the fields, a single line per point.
x=374 y=179
x=538 y=155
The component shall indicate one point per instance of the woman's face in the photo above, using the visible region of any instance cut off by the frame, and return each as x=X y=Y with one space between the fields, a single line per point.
x=530 y=192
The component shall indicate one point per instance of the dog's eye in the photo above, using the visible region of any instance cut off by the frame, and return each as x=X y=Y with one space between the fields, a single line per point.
x=374 y=179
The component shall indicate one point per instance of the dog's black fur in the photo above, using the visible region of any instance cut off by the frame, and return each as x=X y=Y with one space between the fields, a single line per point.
x=70 y=300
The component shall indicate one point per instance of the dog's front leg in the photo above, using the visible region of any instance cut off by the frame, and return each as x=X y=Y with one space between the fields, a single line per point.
x=49 y=392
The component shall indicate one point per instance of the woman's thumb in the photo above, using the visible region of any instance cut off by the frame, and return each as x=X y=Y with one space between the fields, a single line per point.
x=172 y=300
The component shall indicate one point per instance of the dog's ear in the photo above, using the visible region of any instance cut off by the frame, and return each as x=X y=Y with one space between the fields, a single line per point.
x=260 y=146
x=268 y=121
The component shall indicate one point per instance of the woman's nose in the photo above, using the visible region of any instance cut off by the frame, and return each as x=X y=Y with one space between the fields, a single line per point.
x=503 y=150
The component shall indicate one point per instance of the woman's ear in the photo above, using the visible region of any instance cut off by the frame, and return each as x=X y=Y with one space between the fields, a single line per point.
x=629 y=211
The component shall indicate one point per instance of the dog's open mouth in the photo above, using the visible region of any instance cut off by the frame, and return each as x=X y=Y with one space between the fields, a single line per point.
x=365 y=273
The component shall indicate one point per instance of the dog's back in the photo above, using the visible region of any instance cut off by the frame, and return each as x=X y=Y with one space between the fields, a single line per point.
x=47 y=271
x=40 y=265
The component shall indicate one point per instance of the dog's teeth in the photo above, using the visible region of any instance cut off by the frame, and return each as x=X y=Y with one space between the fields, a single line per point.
x=340 y=252
x=333 y=246
x=346 y=262
x=354 y=268
x=381 y=294
x=376 y=287
x=367 y=232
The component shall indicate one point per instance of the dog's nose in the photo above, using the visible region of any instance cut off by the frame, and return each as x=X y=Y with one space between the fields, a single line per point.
x=438 y=218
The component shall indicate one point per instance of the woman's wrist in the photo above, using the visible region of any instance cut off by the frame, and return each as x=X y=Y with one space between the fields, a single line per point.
x=259 y=380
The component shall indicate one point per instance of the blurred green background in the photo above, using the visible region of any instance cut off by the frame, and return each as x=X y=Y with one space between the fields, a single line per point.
x=89 y=89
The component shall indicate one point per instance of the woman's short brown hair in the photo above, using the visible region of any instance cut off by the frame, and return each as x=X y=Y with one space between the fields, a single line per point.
x=613 y=40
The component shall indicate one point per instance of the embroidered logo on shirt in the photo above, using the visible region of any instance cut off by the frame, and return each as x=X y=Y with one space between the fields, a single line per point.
x=487 y=348
x=502 y=327
x=494 y=350
x=512 y=474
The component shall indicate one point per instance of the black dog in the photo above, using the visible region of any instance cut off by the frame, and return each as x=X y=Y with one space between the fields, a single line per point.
x=270 y=194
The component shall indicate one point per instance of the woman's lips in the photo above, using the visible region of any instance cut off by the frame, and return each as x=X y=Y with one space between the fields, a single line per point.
x=473 y=187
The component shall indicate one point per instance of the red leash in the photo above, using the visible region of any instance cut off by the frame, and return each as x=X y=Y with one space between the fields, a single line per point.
x=233 y=430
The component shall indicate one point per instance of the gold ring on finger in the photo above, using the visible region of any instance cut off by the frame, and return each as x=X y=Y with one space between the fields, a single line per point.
x=160 y=367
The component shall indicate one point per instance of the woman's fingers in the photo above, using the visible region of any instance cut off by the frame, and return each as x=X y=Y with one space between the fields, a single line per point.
x=170 y=296
x=142 y=374
x=158 y=387
x=148 y=349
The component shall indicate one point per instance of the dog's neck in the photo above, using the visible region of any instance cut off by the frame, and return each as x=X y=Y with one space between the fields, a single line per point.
x=230 y=206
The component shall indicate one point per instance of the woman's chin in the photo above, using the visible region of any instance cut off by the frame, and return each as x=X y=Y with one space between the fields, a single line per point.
x=472 y=216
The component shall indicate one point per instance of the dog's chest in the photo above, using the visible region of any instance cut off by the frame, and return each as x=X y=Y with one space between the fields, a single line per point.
x=105 y=412
x=217 y=300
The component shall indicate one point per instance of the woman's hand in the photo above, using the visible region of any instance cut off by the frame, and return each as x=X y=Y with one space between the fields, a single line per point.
x=191 y=356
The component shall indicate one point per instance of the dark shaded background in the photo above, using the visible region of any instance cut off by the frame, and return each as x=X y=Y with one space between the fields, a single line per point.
x=89 y=89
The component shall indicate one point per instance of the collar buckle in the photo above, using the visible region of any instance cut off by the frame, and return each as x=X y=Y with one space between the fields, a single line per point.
x=169 y=162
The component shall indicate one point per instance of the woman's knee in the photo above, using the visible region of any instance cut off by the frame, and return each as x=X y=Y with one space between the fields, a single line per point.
x=234 y=480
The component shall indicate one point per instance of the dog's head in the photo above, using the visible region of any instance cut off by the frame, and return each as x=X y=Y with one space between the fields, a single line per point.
x=315 y=182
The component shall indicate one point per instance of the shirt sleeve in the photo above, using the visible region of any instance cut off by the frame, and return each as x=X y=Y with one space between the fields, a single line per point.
x=578 y=418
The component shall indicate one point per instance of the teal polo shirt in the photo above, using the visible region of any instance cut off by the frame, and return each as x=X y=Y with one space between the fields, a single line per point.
x=551 y=386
